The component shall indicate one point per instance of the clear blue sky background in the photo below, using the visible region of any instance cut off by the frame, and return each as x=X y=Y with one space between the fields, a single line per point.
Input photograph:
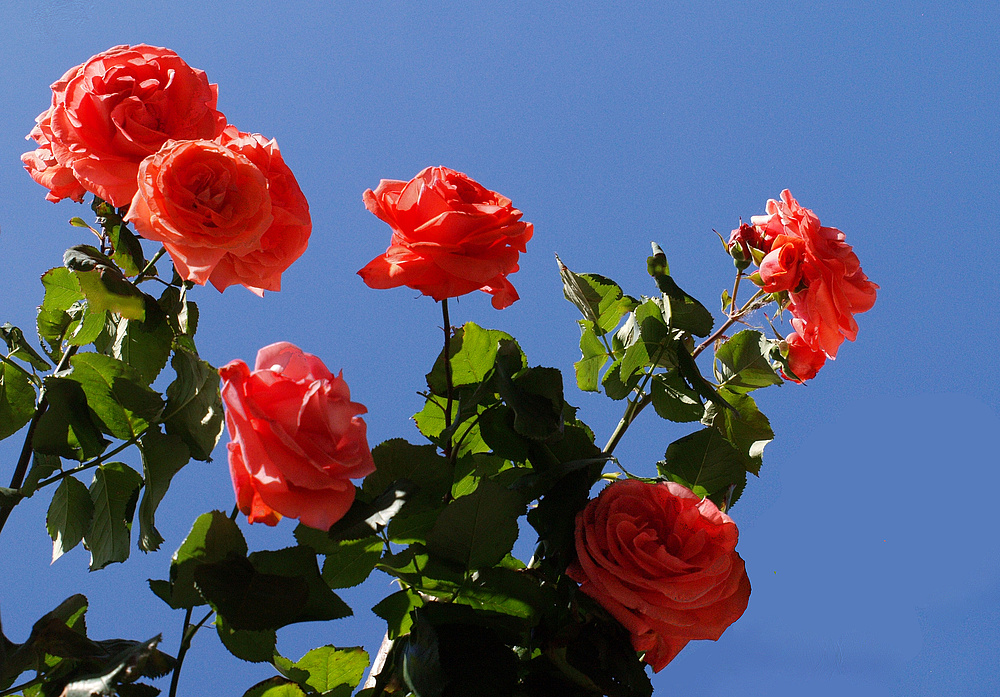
x=870 y=537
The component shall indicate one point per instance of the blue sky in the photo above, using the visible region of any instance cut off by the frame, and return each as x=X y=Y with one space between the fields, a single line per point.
x=870 y=536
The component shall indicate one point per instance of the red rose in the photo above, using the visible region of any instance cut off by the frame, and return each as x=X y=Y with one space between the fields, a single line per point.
x=833 y=288
x=802 y=359
x=118 y=108
x=201 y=200
x=297 y=440
x=45 y=170
x=286 y=239
x=662 y=561
x=450 y=236
x=779 y=269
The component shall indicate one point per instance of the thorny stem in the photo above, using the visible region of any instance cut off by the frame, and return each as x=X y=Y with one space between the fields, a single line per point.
x=186 y=636
x=22 y=463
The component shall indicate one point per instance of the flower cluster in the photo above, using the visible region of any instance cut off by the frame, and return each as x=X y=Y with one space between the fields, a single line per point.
x=820 y=273
x=138 y=127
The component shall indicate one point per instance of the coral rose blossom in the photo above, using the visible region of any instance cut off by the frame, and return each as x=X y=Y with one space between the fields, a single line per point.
x=202 y=201
x=450 y=236
x=802 y=360
x=297 y=440
x=286 y=239
x=829 y=287
x=662 y=561
x=118 y=108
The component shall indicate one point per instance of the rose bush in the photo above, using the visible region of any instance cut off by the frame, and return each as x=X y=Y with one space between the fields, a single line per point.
x=113 y=111
x=822 y=272
x=450 y=236
x=662 y=561
x=201 y=200
x=296 y=438
x=286 y=239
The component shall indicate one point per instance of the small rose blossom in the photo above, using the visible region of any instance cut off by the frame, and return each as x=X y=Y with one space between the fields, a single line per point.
x=450 y=236
x=286 y=239
x=831 y=286
x=202 y=201
x=296 y=438
x=747 y=237
x=120 y=107
x=663 y=562
x=802 y=359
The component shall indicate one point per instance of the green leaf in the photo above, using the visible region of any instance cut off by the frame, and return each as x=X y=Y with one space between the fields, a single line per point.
x=194 y=405
x=162 y=457
x=599 y=299
x=42 y=466
x=17 y=399
x=269 y=590
x=508 y=592
x=182 y=314
x=614 y=386
x=536 y=397
x=256 y=647
x=69 y=516
x=275 y=687
x=85 y=325
x=473 y=351
x=681 y=311
x=332 y=672
x=213 y=537
x=479 y=529
x=114 y=492
x=743 y=363
x=144 y=346
x=66 y=428
x=705 y=463
x=674 y=400
x=103 y=283
x=20 y=348
x=115 y=394
x=364 y=519
x=653 y=345
x=595 y=356
x=746 y=429
x=395 y=609
x=420 y=464
x=127 y=250
x=61 y=291
x=348 y=562
x=431 y=423
x=689 y=371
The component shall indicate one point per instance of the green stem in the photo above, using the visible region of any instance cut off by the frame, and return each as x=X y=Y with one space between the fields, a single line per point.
x=447 y=374
x=17 y=479
x=149 y=265
x=186 y=636
x=635 y=406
